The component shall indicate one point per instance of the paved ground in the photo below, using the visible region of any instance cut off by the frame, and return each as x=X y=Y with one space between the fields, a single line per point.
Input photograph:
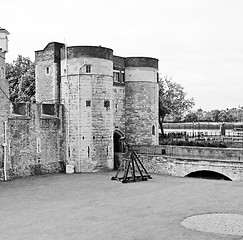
x=91 y=206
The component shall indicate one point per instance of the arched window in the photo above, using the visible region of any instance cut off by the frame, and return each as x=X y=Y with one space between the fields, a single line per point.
x=153 y=130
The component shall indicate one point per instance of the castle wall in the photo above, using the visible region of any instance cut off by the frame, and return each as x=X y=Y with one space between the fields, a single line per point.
x=35 y=143
x=87 y=98
x=119 y=107
x=4 y=105
x=119 y=93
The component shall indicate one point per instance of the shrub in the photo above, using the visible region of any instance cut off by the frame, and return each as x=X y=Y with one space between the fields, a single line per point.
x=194 y=143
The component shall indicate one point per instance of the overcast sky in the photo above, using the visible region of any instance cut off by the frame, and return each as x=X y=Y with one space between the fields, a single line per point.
x=198 y=42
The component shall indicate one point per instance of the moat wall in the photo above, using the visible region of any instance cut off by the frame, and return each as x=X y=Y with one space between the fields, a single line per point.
x=181 y=161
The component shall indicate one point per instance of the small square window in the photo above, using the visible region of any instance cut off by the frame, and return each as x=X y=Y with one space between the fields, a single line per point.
x=88 y=103
x=49 y=109
x=88 y=68
x=107 y=104
x=20 y=109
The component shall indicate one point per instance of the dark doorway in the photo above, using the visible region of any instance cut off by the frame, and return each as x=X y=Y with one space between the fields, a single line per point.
x=117 y=148
x=117 y=142
x=208 y=175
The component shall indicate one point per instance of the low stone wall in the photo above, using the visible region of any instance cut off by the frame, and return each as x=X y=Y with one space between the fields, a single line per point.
x=179 y=167
x=180 y=161
x=234 y=154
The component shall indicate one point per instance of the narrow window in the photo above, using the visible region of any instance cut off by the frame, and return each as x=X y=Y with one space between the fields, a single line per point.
x=122 y=76
x=38 y=145
x=88 y=68
x=107 y=104
x=2 y=73
x=153 y=130
x=47 y=70
x=116 y=76
x=88 y=103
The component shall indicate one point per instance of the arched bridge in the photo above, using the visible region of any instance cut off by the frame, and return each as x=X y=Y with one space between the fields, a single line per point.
x=183 y=161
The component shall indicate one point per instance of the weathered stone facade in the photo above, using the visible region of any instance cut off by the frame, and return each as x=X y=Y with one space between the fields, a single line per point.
x=82 y=104
x=95 y=89
x=181 y=161
x=36 y=142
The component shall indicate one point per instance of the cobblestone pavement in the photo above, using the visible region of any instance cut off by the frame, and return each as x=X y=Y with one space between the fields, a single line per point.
x=91 y=206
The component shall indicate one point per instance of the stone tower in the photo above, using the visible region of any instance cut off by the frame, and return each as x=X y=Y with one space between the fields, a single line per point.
x=48 y=73
x=141 y=100
x=87 y=88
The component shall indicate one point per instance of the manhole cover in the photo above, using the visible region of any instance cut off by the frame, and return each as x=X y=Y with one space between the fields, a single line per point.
x=231 y=224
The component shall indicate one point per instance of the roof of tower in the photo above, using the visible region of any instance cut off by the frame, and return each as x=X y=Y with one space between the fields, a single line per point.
x=4 y=30
x=88 y=51
x=142 y=62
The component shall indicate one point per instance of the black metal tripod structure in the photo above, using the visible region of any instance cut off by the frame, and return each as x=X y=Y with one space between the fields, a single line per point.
x=131 y=169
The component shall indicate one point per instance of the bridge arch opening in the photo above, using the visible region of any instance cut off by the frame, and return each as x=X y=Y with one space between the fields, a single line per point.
x=205 y=174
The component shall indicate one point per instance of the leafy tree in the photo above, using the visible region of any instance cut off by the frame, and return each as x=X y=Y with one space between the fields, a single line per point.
x=191 y=117
x=207 y=116
x=21 y=77
x=222 y=117
x=226 y=116
x=172 y=100
x=215 y=115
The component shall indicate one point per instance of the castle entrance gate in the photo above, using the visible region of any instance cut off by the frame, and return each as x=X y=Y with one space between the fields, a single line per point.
x=118 y=147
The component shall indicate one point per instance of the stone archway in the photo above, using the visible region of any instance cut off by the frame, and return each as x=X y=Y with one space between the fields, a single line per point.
x=208 y=175
x=118 y=147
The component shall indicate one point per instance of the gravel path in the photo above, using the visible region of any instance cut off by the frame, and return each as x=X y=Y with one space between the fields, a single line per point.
x=231 y=224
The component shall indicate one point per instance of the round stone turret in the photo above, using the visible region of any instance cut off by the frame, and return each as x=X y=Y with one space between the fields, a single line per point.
x=141 y=100
x=87 y=88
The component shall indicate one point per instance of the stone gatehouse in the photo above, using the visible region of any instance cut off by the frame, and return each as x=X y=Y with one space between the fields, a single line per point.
x=86 y=100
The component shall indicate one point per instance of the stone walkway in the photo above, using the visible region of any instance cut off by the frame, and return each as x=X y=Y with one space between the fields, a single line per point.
x=91 y=206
